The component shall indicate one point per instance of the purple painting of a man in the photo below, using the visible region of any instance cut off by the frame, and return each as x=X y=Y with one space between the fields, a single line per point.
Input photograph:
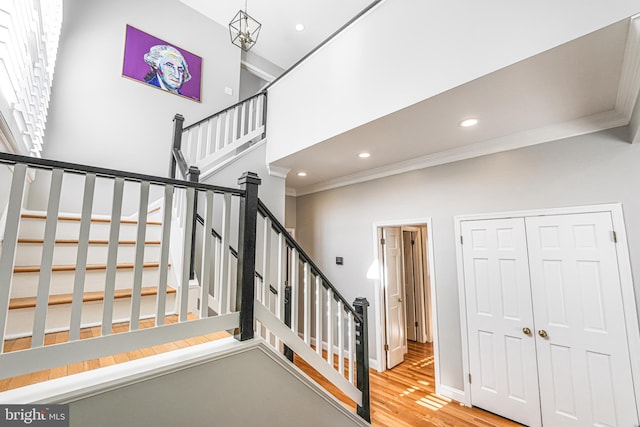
x=169 y=69
x=160 y=64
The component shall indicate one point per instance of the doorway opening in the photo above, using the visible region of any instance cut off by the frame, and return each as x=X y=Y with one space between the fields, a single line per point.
x=407 y=309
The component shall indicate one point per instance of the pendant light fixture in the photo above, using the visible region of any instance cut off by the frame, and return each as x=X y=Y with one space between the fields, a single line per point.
x=244 y=30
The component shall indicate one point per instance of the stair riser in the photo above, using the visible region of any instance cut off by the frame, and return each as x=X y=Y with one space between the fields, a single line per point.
x=34 y=229
x=26 y=284
x=20 y=321
x=67 y=254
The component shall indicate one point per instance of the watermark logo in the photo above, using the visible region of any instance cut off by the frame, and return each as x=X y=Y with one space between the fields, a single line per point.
x=34 y=415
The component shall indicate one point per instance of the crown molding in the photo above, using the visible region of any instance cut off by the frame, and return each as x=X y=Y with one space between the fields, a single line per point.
x=258 y=72
x=277 y=171
x=584 y=125
x=289 y=191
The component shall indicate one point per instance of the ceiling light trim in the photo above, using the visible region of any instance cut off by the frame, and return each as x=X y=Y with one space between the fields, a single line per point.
x=584 y=125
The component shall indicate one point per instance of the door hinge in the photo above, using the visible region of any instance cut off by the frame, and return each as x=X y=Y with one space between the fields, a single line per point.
x=461 y=242
x=386 y=347
x=469 y=378
x=382 y=241
x=416 y=324
x=615 y=236
x=413 y=242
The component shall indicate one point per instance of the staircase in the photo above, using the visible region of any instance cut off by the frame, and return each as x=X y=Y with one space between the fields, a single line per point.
x=193 y=249
x=27 y=273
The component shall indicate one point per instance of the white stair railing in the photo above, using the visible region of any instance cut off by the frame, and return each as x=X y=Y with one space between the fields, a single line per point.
x=212 y=140
x=128 y=290
x=305 y=314
x=284 y=313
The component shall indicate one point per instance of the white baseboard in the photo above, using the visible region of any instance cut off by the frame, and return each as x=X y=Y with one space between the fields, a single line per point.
x=450 y=392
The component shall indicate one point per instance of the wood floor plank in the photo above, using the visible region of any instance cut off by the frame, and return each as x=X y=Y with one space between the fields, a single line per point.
x=405 y=396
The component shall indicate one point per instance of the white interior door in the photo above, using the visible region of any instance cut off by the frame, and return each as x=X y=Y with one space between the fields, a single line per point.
x=583 y=361
x=393 y=281
x=410 y=280
x=502 y=355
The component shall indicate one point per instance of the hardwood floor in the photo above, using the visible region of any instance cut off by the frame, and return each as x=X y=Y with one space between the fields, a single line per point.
x=400 y=397
x=405 y=396
x=59 y=337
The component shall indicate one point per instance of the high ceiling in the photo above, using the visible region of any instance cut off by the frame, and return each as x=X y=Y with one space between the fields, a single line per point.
x=279 y=41
x=572 y=89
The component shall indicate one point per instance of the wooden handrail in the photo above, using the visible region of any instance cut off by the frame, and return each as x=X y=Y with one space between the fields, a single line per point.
x=75 y=168
x=199 y=122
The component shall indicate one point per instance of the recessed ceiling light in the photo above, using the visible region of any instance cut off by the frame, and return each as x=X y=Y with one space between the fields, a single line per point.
x=299 y=27
x=468 y=123
x=364 y=155
x=302 y=174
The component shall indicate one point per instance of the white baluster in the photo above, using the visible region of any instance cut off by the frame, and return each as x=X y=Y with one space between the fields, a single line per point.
x=250 y=119
x=294 y=291
x=81 y=260
x=352 y=347
x=201 y=150
x=9 y=243
x=236 y=121
x=112 y=256
x=243 y=119
x=341 y=337
x=266 y=269
x=136 y=290
x=225 y=294
x=259 y=111
x=227 y=128
x=318 y=315
x=209 y=138
x=281 y=278
x=218 y=143
x=330 y=327
x=207 y=256
x=307 y=303
x=164 y=255
x=186 y=255
x=44 y=282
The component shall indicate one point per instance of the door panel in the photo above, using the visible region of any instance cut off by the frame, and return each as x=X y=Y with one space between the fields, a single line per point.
x=584 y=367
x=410 y=285
x=396 y=337
x=498 y=299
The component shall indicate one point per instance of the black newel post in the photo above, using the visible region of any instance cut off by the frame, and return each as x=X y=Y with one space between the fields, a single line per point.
x=247 y=255
x=264 y=115
x=178 y=122
x=362 y=357
x=288 y=353
x=194 y=176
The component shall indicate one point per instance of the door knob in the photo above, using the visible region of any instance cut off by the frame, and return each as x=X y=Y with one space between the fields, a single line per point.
x=399 y=299
x=526 y=331
x=543 y=333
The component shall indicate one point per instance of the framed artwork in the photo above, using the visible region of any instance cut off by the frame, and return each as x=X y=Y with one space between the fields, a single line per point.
x=162 y=65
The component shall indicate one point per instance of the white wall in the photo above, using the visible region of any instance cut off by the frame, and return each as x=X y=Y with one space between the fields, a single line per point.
x=246 y=389
x=272 y=188
x=406 y=51
x=585 y=170
x=97 y=117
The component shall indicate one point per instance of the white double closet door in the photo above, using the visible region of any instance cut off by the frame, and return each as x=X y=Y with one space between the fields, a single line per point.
x=546 y=331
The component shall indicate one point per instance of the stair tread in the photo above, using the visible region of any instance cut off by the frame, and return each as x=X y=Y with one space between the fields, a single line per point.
x=90 y=267
x=30 y=302
x=73 y=218
x=91 y=242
